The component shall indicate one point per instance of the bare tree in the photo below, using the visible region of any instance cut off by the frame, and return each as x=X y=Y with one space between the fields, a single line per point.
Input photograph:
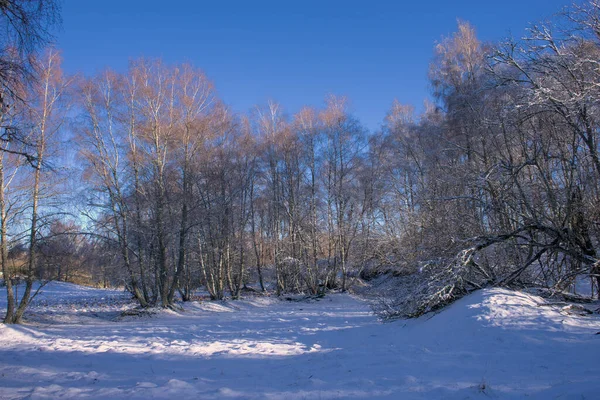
x=26 y=27
x=43 y=115
x=103 y=154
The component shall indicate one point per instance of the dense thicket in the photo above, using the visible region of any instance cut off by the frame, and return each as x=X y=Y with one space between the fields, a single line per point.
x=496 y=183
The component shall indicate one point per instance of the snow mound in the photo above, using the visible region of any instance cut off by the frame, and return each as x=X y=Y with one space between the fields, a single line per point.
x=512 y=311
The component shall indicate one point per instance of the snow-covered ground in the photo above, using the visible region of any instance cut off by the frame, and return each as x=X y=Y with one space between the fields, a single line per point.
x=492 y=344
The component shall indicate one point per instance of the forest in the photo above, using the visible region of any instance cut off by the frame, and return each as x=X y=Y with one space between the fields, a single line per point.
x=145 y=179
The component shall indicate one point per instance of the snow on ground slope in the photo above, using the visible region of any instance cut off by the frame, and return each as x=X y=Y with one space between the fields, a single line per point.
x=492 y=344
x=59 y=302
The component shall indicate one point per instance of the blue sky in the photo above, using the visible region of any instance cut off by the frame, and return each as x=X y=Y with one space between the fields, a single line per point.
x=293 y=52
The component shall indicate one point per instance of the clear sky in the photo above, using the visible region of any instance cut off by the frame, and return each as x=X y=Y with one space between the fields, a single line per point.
x=294 y=52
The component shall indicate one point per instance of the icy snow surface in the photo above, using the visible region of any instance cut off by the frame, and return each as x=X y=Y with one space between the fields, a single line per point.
x=492 y=344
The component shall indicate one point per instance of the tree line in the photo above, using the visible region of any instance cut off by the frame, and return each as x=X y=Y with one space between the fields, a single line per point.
x=495 y=183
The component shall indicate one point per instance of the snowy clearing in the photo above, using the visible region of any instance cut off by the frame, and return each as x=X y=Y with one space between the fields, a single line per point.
x=492 y=344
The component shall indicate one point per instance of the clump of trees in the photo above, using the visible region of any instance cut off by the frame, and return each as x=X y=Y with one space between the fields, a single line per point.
x=496 y=183
x=188 y=193
x=507 y=193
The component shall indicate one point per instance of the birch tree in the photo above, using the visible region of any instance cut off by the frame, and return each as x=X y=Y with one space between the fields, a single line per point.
x=44 y=115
